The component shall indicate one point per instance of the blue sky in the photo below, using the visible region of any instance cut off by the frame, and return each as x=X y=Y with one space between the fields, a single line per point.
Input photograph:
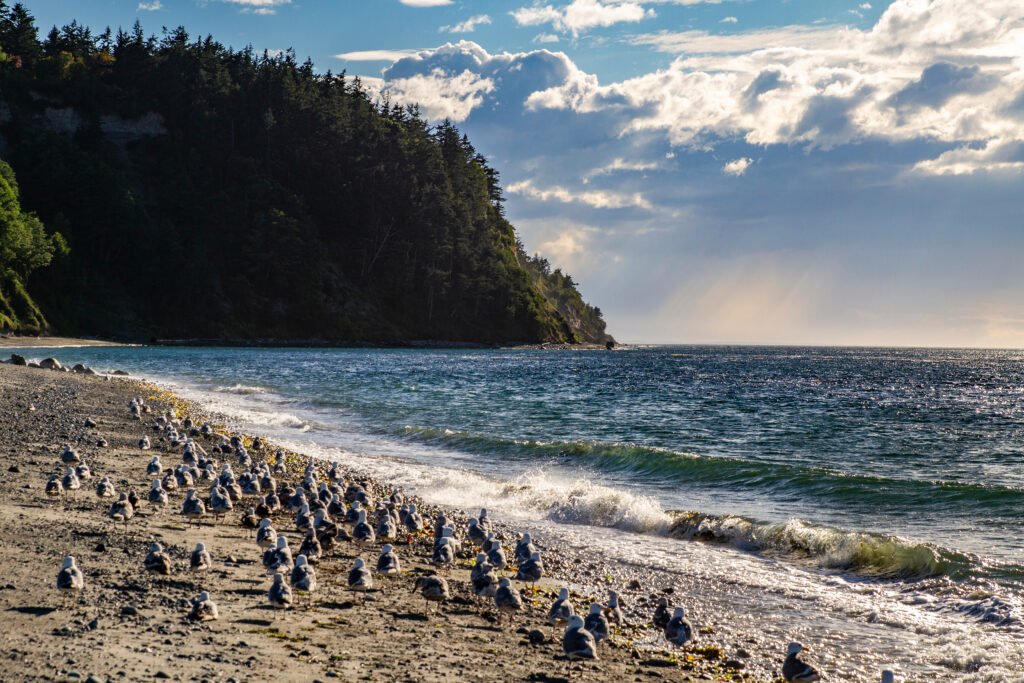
x=752 y=171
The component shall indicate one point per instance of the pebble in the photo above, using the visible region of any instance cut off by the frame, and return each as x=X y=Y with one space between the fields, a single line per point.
x=14 y=468
x=129 y=610
x=94 y=624
x=161 y=674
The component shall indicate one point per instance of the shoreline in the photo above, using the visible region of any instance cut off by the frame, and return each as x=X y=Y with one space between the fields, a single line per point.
x=16 y=342
x=335 y=636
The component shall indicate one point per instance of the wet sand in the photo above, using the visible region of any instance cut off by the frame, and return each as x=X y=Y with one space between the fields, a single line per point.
x=130 y=625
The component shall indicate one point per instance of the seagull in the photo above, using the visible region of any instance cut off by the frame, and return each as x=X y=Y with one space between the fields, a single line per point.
x=507 y=600
x=596 y=623
x=443 y=556
x=144 y=443
x=122 y=510
x=83 y=471
x=203 y=608
x=220 y=501
x=433 y=588
x=192 y=507
x=157 y=495
x=475 y=533
x=303 y=577
x=250 y=520
x=485 y=583
x=104 y=488
x=359 y=578
x=531 y=570
x=280 y=593
x=53 y=486
x=263 y=510
x=386 y=527
x=70 y=456
x=524 y=549
x=388 y=563
x=157 y=560
x=678 y=630
x=70 y=580
x=278 y=557
x=70 y=482
x=303 y=518
x=661 y=613
x=561 y=610
x=200 y=559
x=154 y=468
x=578 y=642
x=796 y=671
x=170 y=482
x=310 y=548
x=362 y=532
x=266 y=535
x=134 y=499
x=440 y=522
x=613 y=609
x=496 y=556
x=413 y=520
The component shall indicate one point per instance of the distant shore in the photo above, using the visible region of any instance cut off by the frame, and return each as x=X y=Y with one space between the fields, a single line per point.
x=54 y=342
x=131 y=625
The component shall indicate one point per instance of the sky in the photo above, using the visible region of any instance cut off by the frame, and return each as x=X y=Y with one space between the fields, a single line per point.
x=834 y=172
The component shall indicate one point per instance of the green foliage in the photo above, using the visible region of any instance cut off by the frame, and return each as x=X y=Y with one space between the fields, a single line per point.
x=559 y=289
x=271 y=201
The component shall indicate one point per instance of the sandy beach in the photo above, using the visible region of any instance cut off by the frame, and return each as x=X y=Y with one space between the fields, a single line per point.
x=52 y=342
x=131 y=625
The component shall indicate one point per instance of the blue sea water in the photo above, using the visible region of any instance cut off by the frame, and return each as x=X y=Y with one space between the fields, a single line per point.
x=885 y=485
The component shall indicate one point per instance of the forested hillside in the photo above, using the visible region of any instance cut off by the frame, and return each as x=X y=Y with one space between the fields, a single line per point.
x=218 y=194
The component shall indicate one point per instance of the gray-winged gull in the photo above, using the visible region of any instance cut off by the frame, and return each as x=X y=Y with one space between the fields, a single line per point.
x=203 y=608
x=70 y=580
x=279 y=593
x=795 y=670
x=433 y=588
x=303 y=577
x=200 y=560
x=359 y=578
x=678 y=630
x=507 y=599
x=157 y=561
x=577 y=641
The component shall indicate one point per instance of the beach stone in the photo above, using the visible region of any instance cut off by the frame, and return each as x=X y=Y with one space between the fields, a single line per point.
x=93 y=679
x=536 y=636
x=119 y=373
x=89 y=422
x=14 y=468
x=633 y=585
x=129 y=610
x=94 y=624
x=34 y=365
x=18 y=360
x=50 y=364
x=733 y=664
x=161 y=674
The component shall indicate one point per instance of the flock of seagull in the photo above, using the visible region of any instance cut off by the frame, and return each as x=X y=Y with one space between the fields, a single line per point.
x=321 y=510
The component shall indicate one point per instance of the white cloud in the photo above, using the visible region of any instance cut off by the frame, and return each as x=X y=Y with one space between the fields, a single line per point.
x=149 y=6
x=599 y=199
x=545 y=38
x=737 y=167
x=581 y=15
x=729 y=20
x=619 y=164
x=995 y=156
x=425 y=3
x=375 y=55
x=442 y=95
x=264 y=7
x=865 y=6
x=702 y=42
x=467 y=26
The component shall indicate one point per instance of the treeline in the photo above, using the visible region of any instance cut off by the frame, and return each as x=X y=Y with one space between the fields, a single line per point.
x=213 y=193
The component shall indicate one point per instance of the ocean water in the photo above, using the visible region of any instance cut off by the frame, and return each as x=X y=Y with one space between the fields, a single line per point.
x=867 y=502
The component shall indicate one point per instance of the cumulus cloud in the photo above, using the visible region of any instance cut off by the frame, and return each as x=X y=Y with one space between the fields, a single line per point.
x=467 y=26
x=545 y=38
x=729 y=20
x=581 y=15
x=149 y=6
x=442 y=95
x=737 y=167
x=618 y=165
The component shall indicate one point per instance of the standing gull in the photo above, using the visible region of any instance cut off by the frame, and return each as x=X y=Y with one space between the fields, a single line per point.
x=613 y=609
x=193 y=507
x=122 y=510
x=433 y=588
x=266 y=535
x=794 y=670
x=53 y=486
x=303 y=577
x=561 y=610
x=531 y=570
x=662 y=615
x=359 y=578
x=506 y=599
x=280 y=593
x=577 y=642
x=597 y=623
x=485 y=583
x=524 y=549
x=70 y=482
x=678 y=630
x=70 y=580
x=157 y=494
